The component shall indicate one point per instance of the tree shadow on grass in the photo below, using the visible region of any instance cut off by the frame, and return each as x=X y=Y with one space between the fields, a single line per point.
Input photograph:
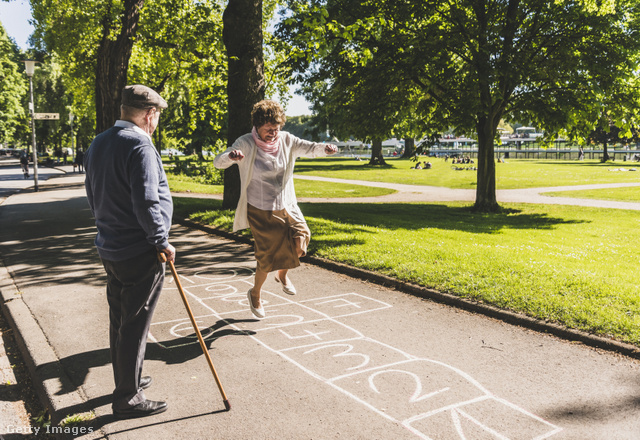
x=437 y=216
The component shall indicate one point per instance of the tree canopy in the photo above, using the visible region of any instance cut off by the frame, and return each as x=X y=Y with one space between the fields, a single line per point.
x=465 y=64
x=176 y=48
x=13 y=87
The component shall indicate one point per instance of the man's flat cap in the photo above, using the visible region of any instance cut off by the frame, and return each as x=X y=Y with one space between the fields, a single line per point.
x=140 y=96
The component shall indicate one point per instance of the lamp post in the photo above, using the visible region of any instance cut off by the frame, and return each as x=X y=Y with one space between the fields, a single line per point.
x=30 y=67
x=73 y=150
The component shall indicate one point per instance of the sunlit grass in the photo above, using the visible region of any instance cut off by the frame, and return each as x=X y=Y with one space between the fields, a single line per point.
x=304 y=188
x=627 y=194
x=514 y=174
x=179 y=183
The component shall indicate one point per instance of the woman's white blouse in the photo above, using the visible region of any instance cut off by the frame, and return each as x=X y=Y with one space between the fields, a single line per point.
x=265 y=191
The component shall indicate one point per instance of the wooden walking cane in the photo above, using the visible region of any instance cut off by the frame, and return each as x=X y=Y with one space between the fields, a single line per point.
x=163 y=258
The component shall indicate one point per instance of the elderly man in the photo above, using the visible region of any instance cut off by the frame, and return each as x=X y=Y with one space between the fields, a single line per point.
x=129 y=196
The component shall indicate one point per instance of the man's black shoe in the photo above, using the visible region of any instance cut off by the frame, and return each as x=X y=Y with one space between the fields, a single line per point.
x=145 y=382
x=146 y=408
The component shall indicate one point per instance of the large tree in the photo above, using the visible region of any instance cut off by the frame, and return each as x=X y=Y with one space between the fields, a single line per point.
x=94 y=40
x=118 y=27
x=174 y=46
x=180 y=53
x=611 y=135
x=474 y=62
x=243 y=39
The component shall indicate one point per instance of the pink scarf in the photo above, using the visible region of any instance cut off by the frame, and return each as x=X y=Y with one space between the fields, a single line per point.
x=268 y=147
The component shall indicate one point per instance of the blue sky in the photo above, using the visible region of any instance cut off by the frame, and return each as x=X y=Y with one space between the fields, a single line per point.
x=15 y=17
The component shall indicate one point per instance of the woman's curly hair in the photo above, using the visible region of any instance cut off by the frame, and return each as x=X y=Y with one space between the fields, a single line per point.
x=267 y=112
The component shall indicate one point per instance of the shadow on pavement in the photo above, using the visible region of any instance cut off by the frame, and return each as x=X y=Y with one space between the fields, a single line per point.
x=181 y=351
x=102 y=421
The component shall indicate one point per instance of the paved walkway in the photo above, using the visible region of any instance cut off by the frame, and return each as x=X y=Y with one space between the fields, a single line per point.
x=344 y=359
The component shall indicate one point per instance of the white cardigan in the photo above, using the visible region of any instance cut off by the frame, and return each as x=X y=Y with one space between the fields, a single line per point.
x=293 y=148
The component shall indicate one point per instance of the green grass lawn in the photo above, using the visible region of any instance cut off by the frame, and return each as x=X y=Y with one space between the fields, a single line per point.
x=304 y=188
x=514 y=174
x=180 y=183
x=628 y=194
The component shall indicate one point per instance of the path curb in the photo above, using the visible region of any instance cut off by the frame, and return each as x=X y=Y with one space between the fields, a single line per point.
x=47 y=374
x=507 y=316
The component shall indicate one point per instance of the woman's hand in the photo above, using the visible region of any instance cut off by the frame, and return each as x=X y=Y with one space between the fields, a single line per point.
x=330 y=149
x=236 y=155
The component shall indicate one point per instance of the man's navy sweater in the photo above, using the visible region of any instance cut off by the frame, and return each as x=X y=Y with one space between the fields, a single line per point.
x=128 y=193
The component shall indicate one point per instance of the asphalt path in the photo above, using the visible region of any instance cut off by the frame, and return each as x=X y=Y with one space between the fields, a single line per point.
x=343 y=359
x=12 y=180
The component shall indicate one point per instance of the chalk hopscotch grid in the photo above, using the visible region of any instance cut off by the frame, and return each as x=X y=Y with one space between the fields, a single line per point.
x=454 y=415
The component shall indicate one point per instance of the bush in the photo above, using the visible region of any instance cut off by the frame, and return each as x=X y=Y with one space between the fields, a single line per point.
x=200 y=172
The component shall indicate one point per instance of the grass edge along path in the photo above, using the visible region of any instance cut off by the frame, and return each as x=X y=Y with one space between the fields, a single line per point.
x=627 y=194
x=568 y=265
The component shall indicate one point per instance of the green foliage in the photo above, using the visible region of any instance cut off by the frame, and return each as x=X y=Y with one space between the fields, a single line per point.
x=371 y=65
x=51 y=96
x=302 y=127
x=13 y=90
x=78 y=419
x=70 y=30
x=200 y=172
x=179 y=51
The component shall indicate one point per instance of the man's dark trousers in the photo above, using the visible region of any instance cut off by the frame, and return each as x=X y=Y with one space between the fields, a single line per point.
x=133 y=290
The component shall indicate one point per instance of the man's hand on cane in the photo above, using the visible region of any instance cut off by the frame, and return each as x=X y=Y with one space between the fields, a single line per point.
x=169 y=253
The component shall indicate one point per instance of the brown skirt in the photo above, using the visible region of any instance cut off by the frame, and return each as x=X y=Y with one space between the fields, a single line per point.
x=277 y=239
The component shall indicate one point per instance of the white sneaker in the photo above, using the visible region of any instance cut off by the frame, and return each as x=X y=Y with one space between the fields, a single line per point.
x=257 y=312
x=289 y=289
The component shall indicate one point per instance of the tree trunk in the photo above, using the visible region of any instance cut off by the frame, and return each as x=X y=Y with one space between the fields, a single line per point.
x=242 y=35
x=409 y=147
x=113 y=64
x=376 y=153
x=605 y=152
x=486 y=187
x=157 y=138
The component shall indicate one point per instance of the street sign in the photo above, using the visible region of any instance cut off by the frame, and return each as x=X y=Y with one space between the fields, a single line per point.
x=50 y=116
